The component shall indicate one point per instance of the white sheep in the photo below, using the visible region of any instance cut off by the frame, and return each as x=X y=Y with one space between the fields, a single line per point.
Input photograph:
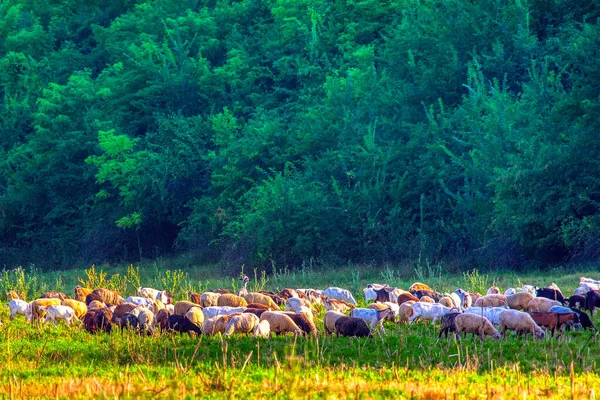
x=371 y=317
x=209 y=299
x=19 y=307
x=428 y=311
x=210 y=312
x=339 y=294
x=529 y=289
x=294 y=304
x=519 y=322
x=140 y=301
x=493 y=290
x=54 y=313
x=475 y=324
x=329 y=321
x=370 y=294
x=519 y=301
x=154 y=294
x=280 y=323
x=492 y=314
x=581 y=291
x=262 y=329
x=146 y=319
x=243 y=323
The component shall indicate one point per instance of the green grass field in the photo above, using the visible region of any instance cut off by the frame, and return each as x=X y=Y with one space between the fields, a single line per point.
x=409 y=362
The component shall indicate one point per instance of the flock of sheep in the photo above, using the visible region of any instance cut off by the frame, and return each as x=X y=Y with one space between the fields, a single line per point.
x=526 y=310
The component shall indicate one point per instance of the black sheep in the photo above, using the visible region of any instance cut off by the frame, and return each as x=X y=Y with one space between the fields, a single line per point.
x=129 y=321
x=181 y=324
x=349 y=326
x=592 y=300
x=551 y=294
x=577 y=302
x=448 y=324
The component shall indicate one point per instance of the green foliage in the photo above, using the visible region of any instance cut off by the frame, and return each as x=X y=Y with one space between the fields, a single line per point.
x=274 y=133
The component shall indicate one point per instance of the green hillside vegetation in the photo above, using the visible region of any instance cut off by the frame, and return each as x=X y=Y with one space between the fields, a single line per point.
x=275 y=132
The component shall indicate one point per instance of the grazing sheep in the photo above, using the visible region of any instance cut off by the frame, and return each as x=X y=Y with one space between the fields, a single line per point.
x=196 y=316
x=259 y=306
x=129 y=321
x=420 y=293
x=350 y=326
x=447 y=324
x=577 y=301
x=154 y=294
x=406 y=297
x=209 y=299
x=262 y=330
x=259 y=298
x=551 y=293
x=95 y=305
x=108 y=297
x=541 y=304
x=406 y=311
x=80 y=293
x=491 y=313
x=287 y=294
x=329 y=321
x=491 y=300
x=161 y=318
x=304 y=322
x=387 y=293
x=182 y=307
x=371 y=317
x=466 y=301
x=19 y=307
x=231 y=300
x=197 y=298
x=242 y=323
x=520 y=322
x=446 y=301
x=428 y=311
x=210 y=312
x=38 y=308
x=121 y=310
x=581 y=291
x=179 y=323
x=54 y=313
x=278 y=300
x=146 y=319
x=89 y=322
x=54 y=295
x=519 y=301
x=418 y=286
x=393 y=307
x=92 y=297
x=553 y=321
x=493 y=290
x=139 y=301
x=256 y=311
x=475 y=324
x=294 y=304
x=281 y=323
x=102 y=318
x=592 y=301
x=339 y=294
x=426 y=299
x=337 y=305
x=217 y=324
x=78 y=306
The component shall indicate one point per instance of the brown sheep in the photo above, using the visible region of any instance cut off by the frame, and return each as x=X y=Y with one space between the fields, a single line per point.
x=37 y=312
x=541 y=304
x=54 y=295
x=81 y=293
x=196 y=298
x=161 y=319
x=103 y=316
x=278 y=300
x=182 y=307
x=519 y=301
x=304 y=322
x=446 y=302
x=108 y=297
x=94 y=305
x=89 y=321
x=426 y=299
x=406 y=311
x=121 y=310
x=491 y=300
x=217 y=324
x=256 y=311
x=222 y=291
x=259 y=306
x=418 y=286
x=259 y=298
x=231 y=300
x=280 y=323
x=403 y=298
x=338 y=305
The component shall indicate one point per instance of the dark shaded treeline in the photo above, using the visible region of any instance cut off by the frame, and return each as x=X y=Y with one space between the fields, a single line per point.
x=261 y=131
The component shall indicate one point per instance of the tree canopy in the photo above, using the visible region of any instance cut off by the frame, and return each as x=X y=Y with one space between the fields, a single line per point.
x=276 y=131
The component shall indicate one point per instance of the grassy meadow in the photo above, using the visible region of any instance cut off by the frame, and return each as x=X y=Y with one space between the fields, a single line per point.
x=409 y=362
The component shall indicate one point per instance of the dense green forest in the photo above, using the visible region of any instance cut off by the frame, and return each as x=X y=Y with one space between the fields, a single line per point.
x=278 y=131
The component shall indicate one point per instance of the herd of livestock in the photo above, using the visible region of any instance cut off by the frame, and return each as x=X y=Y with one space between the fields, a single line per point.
x=525 y=310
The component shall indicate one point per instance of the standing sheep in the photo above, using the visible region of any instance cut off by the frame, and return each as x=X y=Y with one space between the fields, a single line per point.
x=182 y=307
x=519 y=301
x=406 y=311
x=217 y=324
x=262 y=330
x=259 y=298
x=242 y=323
x=209 y=299
x=541 y=304
x=231 y=300
x=448 y=324
x=78 y=306
x=491 y=300
x=350 y=326
x=329 y=321
x=520 y=322
x=281 y=323
x=475 y=324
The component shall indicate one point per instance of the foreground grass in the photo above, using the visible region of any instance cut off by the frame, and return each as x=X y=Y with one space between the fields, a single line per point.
x=409 y=362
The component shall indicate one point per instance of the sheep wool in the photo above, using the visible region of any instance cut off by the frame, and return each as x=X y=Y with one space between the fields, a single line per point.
x=519 y=300
x=243 y=323
x=280 y=323
x=262 y=330
x=476 y=324
x=231 y=300
x=329 y=321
